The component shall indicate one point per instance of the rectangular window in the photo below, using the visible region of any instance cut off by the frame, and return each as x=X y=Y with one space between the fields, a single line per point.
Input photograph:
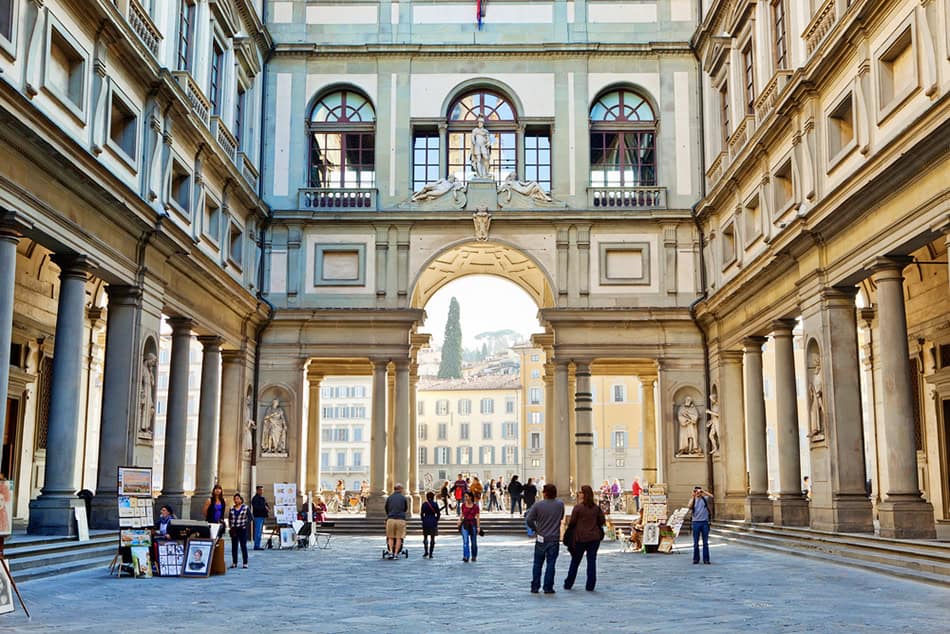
x=534 y=396
x=623 y=159
x=620 y=462
x=535 y=358
x=619 y=394
x=66 y=71
x=236 y=246
x=443 y=431
x=781 y=38
x=486 y=431
x=240 y=104
x=216 y=79
x=341 y=458
x=724 y=113
x=729 y=244
x=510 y=406
x=441 y=407
x=326 y=435
x=180 y=193
x=463 y=431
x=357 y=458
x=536 y=418
x=420 y=408
x=535 y=374
x=186 y=33
x=342 y=160
x=423 y=458
x=897 y=72
x=465 y=406
x=487 y=406
x=211 y=225
x=341 y=435
x=782 y=188
x=509 y=430
x=123 y=127
x=535 y=440
x=840 y=129
x=423 y=431
x=620 y=439
x=425 y=158
x=357 y=434
x=537 y=156
x=325 y=459
x=753 y=220
x=748 y=76
x=6 y=19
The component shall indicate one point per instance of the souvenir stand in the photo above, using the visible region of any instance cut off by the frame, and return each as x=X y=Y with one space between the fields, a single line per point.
x=285 y=512
x=657 y=529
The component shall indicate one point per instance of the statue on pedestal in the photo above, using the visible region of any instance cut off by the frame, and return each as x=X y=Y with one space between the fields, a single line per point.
x=712 y=425
x=816 y=400
x=687 y=414
x=249 y=427
x=480 y=157
x=274 y=440
x=147 y=395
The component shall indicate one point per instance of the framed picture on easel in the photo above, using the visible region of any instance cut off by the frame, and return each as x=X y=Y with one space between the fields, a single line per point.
x=6 y=591
x=197 y=561
x=6 y=507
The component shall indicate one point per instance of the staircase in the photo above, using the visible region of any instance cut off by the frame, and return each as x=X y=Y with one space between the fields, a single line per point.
x=37 y=556
x=919 y=560
x=347 y=524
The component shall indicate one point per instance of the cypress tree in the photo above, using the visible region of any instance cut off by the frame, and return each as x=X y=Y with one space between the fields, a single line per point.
x=451 y=365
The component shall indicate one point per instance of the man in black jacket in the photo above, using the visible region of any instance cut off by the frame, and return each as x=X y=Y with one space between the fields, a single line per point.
x=260 y=509
x=515 y=489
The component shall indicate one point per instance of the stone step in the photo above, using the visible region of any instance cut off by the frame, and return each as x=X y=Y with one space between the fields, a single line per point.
x=39 y=572
x=930 y=569
x=21 y=550
x=61 y=557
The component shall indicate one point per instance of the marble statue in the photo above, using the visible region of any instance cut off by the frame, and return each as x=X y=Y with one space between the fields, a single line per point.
x=480 y=157
x=816 y=400
x=274 y=440
x=249 y=427
x=531 y=189
x=712 y=424
x=687 y=415
x=438 y=189
x=482 y=221
x=147 y=395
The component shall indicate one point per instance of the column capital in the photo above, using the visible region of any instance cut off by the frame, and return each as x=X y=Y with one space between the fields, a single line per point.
x=180 y=325
x=888 y=266
x=783 y=327
x=647 y=379
x=753 y=345
x=233 y=356
x=13 y=225
x=211 y=342
x=72 y=265
x=731 y=356
x=120 y=295
x=401 y=365
x=379 y=365
x=314 y=378
x=582 y=367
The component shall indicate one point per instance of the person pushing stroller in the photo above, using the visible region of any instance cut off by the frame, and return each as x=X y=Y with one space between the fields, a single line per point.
x=396 y=508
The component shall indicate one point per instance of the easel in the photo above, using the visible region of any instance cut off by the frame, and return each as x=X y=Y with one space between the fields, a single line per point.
x=6 y=568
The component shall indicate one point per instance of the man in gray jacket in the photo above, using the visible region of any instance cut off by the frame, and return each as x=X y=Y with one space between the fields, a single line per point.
x=545 y=518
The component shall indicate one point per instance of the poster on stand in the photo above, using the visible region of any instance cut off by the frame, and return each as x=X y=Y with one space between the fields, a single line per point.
x=651 y=534
x=197 y=560
x=6 y=507
x=285 y=502
x=653 y=513
x=6 y=591
x=135 y=481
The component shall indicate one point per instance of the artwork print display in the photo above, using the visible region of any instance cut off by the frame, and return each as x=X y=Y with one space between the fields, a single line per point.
x=197 y=560
x=135 y=481
x=6 y=591
x=6 y=507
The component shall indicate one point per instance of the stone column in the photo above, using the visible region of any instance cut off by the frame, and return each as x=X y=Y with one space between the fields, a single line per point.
x=731 y=428
x=314 y=380
x=390 y=427
x=549 y=436
x=903 y=514
x=121 y=390
x=8 y=243
x=176 y=419
x=562 y=432
x=758 y=507
x=413 y=436
x=649 y=472
x=52 y=512
x=206 y=467
x=401 y=439
x=584 y=436
x=234 y=416
x=377 y=471
x=790 y=507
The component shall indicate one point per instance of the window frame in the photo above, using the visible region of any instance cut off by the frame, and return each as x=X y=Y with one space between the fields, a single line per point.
x=8 y=45
x=832 y=113
x=429 y=133
x=462 y=127
x=779 y=18
x=216 y=76
x=185 y=59
x=77 y=110
x=131 y=160
x=347 y=129
x=907 y=28
x=621 y=128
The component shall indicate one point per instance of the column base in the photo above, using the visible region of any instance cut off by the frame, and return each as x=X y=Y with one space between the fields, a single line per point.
x=899 y=518
x=376 y=506
x=732 y=507
x=847 y=514
x=790 y=511
x=758 y=509
x=105 y=511
x=197 y=504
x=55 y=515
x=179 y=503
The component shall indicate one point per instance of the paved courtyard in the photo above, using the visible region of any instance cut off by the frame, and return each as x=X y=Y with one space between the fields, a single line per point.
x=348 y=588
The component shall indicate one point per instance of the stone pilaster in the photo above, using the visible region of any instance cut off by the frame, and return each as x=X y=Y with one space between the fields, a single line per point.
x=758 y=507
x=176 y=419
x=401 y=439
x=377 y=471
x=52 y=512
x=562 y=435
x=729 y=459
x=235 y=414
x=790 y=507
x=119 y=419
x=314 y=380
x=9 y=239
x=903 y=514
x=206 y=464
x=648 y=385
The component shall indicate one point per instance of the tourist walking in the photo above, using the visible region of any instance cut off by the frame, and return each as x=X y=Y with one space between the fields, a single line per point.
x=545 y=518
x=699 y=506
x=444 y=496
x=239 y=520
x=216 y=509
x=615 y=491
x=530 y=494
x=430 y=523
x=501 y=489
x=636 y=489
x=459 y=489
x=515 y=490
x=587 y=524
x=493 y=496
x=476 y=488
x=396 y=508
x=470 y=525
x=260 y=510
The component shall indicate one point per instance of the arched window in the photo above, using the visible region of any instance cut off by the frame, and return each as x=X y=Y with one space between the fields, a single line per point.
x=342 y=141
x=622 y=141
x=502 y=124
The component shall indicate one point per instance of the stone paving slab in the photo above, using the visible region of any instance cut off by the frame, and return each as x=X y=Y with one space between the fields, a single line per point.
x=349 y=588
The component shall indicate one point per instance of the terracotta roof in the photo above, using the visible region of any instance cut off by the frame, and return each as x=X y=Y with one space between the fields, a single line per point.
x=486 y=382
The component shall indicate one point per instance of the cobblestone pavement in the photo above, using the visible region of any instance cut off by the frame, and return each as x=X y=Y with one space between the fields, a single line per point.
x=348 y=588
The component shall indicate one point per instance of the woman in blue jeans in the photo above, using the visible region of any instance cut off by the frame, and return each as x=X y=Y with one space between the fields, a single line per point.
x=587 y=520
x=469 y=524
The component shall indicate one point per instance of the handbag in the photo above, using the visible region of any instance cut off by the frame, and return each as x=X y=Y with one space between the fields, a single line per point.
x=481 y=532
x=569 y=539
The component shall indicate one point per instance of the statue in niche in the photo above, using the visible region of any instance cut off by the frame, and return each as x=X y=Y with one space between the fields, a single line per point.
x=482 y=220
x=249 y=427
x=687 y=414
x=816 y=399
x=531 y=189
x=712 y=424
x=147 y=395
x=480 y=157
x=438 y=189
x=274 y=440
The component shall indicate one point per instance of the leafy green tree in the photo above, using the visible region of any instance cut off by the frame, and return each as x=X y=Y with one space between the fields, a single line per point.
x=450 y=366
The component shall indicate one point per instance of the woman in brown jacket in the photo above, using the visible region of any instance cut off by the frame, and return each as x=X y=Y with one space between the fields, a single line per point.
x=587 y=520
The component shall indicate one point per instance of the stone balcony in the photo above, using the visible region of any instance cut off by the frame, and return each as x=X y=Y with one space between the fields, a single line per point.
x=143 y=26
x=224 y=137
x=320 y=198
x=626 y=197
x=766 y=101
x=194 y=95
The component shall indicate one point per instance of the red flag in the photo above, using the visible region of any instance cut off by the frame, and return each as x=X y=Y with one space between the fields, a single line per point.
x=480 y=13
